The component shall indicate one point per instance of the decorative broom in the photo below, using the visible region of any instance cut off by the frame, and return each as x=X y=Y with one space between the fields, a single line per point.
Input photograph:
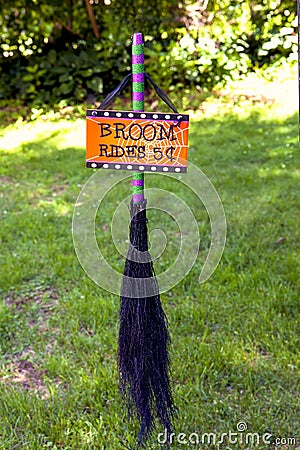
x=143 y=359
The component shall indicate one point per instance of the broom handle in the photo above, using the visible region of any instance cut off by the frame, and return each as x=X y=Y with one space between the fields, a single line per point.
x=138 y=69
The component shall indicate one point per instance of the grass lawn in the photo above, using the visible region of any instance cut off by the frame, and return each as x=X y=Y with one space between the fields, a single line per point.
x=235 y=352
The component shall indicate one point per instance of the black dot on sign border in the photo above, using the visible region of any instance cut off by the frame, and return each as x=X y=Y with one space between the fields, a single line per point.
x=140 y=167
x=136 y=115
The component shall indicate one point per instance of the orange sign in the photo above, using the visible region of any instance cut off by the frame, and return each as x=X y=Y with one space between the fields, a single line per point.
x=136 y=140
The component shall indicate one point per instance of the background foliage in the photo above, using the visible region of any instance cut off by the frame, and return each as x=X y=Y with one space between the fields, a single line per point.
x=73 y=50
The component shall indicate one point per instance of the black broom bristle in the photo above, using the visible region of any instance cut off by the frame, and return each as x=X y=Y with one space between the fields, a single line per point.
x=143 y=358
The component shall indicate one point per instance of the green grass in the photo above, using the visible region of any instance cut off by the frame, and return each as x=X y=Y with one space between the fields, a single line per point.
x=235 y=347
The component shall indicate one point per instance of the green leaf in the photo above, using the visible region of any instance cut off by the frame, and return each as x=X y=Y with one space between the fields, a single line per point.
x=66 y=88
x=64 y=77
x=96 y=84
x=28 y=77
x=52 y=56
x=86 y=73
x=32 y=69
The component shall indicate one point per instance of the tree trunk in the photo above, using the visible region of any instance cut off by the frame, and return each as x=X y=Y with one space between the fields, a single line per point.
x=70 y=14
x=92 y=19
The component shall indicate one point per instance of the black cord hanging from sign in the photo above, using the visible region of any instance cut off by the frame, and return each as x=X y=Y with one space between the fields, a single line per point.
x=117 y=91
